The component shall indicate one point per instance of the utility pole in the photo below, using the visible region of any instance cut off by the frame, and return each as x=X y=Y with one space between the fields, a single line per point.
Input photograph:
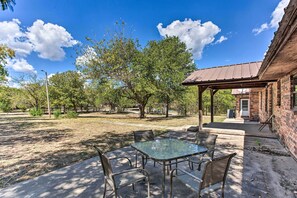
x=47 y=95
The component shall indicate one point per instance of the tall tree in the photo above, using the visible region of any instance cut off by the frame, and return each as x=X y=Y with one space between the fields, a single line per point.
x=173 y=62
x=5 y=53
x=34 y=88
x=120 y=60
x=67 y=89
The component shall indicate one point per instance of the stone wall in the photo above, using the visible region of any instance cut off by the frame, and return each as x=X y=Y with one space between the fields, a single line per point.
x=254 y=104
x=285 y=120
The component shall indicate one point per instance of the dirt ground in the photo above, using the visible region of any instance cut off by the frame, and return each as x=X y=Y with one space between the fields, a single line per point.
x=33 y=146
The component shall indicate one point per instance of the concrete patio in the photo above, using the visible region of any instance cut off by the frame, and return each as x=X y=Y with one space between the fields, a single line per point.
x=261 y=168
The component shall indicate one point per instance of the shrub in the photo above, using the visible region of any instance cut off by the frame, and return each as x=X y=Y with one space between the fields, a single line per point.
x=72 y=114
x=5 y=106
x=57 y=113
x=36 y=112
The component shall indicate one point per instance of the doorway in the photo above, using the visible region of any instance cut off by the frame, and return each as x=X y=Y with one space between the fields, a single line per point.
x=245 y=107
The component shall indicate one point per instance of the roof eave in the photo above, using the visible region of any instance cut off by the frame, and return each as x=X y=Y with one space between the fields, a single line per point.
x=281 y=36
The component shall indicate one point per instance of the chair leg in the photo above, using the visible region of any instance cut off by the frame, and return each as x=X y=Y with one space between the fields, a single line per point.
x=104 y=194
x=199 y=167
x=116 y=193
x=136 y=161
x=148 y=187
x=170 y=187
x=154 y=163
x=223 y=194
x=143 y=164
x=133 y=187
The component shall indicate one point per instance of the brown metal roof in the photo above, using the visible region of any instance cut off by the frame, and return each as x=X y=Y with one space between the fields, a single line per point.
x=243 y=71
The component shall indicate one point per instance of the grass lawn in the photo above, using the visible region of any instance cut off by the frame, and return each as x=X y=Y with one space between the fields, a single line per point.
x=33 y=146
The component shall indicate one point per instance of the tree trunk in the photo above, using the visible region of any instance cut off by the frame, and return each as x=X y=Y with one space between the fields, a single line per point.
x=141 y=110
x=74 y=106
x=185 y=110
x=167 y=107
x=36 y=104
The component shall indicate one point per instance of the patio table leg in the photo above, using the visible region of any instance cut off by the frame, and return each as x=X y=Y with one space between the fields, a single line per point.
x=163 y=182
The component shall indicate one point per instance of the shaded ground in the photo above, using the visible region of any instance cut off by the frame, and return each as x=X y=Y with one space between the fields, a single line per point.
x=252 y=173
x=33 y=146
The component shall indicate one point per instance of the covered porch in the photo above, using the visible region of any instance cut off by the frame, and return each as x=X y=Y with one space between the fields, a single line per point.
x=237 y=76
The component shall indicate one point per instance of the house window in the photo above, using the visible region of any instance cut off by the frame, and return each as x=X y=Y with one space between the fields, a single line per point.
x=279 y=93
x=266 y=99
x=261 y=98
x=294 y=91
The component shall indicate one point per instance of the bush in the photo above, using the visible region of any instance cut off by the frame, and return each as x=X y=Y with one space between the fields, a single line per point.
x=57 y=113
x=36 y=112
x=72 y=114
x=5 y=106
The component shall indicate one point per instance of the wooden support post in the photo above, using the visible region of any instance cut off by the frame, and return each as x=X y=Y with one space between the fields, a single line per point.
x=201 y=89
x=211 y=104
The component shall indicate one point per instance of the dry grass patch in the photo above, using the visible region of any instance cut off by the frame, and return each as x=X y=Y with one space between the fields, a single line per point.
x=34 y=146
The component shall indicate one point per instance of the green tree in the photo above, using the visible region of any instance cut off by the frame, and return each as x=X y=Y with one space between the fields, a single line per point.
x=5 y=99
x=67 y=89
x=172 y=63
x=187 y=102
x=34 y=90
x=7 y=4
x=5 y=53
x=120 y=60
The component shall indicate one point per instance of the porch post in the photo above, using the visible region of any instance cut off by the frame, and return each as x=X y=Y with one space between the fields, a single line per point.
x=212 y=93
x=211 y=105
x=201 y=89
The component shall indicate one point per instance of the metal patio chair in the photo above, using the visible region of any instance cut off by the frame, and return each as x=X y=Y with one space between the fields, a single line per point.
x=141 y=136
x=207 y=140
x=213 y=176
x=117 y=180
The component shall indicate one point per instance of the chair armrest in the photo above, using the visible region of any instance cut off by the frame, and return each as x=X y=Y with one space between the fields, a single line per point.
x=132 y=170
x=116 y=158
x=187 y=173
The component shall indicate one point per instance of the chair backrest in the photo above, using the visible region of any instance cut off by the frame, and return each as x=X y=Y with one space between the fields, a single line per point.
x=106 y=165
x=207 y=140
x=145 y=135
x=216 y=171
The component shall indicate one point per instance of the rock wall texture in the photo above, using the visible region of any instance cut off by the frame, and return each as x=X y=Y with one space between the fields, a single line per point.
x=285 y=119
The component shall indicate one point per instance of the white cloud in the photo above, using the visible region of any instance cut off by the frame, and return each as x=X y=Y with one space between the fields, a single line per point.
x=49 y=39
x=88 y=54
x=46 y=39
x=14 y=37
x=11 y=82
x=20 y=65
x=276 y=17
x=221 y=39
x=194 y=34
x=50 y=75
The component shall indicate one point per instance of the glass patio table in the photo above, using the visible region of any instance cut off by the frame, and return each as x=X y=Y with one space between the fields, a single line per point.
x=165 y=150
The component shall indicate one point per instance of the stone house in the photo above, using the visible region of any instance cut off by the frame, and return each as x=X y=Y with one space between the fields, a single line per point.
x=265 y=89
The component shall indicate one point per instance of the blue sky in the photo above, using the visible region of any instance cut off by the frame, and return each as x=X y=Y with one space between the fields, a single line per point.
x=245 y=27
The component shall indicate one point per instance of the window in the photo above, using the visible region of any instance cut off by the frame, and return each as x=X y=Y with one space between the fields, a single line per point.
x=261 y=105
x=294 y=91
x=266 y=99
x=279 y=93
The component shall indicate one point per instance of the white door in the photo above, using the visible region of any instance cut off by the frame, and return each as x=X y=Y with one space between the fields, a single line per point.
x=245 y=107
